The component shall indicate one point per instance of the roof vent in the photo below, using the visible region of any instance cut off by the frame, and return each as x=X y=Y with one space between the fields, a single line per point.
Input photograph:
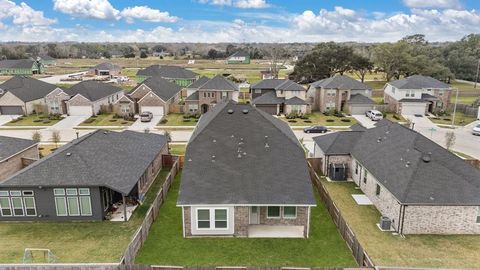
x=427 y=157
x=213 y=158
x=244 y=111
x=230 y=111
x=266 y=142
x=214 y=141
x=379 y=139
x=69 y=154
x=105 y=132
x=407 y=164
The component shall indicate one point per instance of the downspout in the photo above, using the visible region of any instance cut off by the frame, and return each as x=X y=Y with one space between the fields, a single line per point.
x=403 y=219
x=183 y=221
x=399 y=217
x=124 y=208
x=308 y=221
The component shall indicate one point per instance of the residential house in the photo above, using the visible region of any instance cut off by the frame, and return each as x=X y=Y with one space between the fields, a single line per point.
x=25 y=95
x=239 y=57
x=418 y=185
x=417 y=95
x=20 y=67
x=245 y=175
x=124 y=106
x=106 y=69
x=267 y=74
x=181 y=76
x=46 y=60
x=192 y=88
x=155 y=95
x=210 y=93
x=340 y=93
x=91 y=97
x=15 y=154
x=276 y=96
x=86 y=179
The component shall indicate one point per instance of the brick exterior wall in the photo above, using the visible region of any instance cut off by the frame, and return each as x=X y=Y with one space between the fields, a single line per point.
x=140 y=92
x=321 y=99
x=79 y=100
x=15 y=163
x=392 y=104
x=241 y=220
x=444 y=98
x=337 y=159
x=215 y=99
x=59 y=97
x=187 y=222
x=301 y=220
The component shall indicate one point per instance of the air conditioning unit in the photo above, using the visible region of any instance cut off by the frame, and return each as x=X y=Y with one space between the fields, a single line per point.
x=385 y=223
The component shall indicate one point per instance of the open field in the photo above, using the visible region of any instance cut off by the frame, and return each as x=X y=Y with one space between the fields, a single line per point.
x=166 y=246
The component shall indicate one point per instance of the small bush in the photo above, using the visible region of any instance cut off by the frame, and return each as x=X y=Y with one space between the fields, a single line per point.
x=112 y=120
x=330 y=120
x=396 y=117
x=89 y=121
x=164 y=121
x=447 y=119
x=46 y=121
x=307 y=121
x=346 y=120
x=186 y=120
x=40 y=148
x=37 y=120
x=124 y=123
x=292 y=121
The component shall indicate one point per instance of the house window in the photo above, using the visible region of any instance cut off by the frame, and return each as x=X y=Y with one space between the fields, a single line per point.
x=377 y=191
x=221 y=218
x=440 y=92
x=203 y=218
x=410 y=93
x=17 y=203
x=273 y=212
x=290 y=212
x=73 y=202
x=216 y=218
x=478 y=215
x=365 y=173
x=356 y=167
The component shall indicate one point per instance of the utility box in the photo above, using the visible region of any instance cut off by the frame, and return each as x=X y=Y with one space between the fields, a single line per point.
x=338 y=172
x=385 y=223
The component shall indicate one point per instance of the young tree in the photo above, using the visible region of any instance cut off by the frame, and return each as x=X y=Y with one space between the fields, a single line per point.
x=143 y=54
x=449 y=139
x=36 y=136
x=56 y=138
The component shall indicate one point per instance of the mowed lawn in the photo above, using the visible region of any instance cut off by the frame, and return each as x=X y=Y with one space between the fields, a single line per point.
x=177 y=119
x=75 y=242
x=33 y=120
x=106 y=120
x=166 y=246
x=385 y=249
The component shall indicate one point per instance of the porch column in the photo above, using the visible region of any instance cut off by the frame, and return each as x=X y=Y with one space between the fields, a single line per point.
x=124 y=208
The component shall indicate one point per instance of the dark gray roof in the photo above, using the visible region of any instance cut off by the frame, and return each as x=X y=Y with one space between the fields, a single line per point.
x=107 y=66
x=27 y=88
x=278 y=84
x=219 y=83
x=268 y=98
x=112 y=159
x=360 y=99
x=167 y=72
x=428 y=97
x=193 y=96
x=415 y=100
x=46 y=57
x=277 y=174
x=93 y=90
x=10 y=146
x=162 y=88
x=196 y=84
x=240 y=54
x=340 y=82
x=419 y=82
x=338 y=143
x=21 y=63
x=295 y=101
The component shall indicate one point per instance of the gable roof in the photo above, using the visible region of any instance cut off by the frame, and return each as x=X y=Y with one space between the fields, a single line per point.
x=161 y=87
x=360 y=99
x=268 y=98
x=278 y=84
x=168 y=72
x=196 y=84
x=338 y=143
x=193 y=96
x=111 y=159
x=219 y=83
x=46 y=57
x=21 y=63
x=277 y=174
x=419 y=82
x=240 y=53
x=107 y=66
x=27 y=88
x=10 y=146
x=340 y=82
x=93 y=90
x=295 y=101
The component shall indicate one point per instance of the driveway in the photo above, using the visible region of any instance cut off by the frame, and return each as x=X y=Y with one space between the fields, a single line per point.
x=7 y=118
x=140 y=126
x=364 y=121
x=420 y=122
x=69 y=122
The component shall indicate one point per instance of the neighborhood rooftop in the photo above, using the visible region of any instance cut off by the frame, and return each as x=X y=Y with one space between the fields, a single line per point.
x=161 y=87
x=278 y=84
x=241 y=155
x=112 y=159
x=10 y=146
x=219 y=83
x=93 y=90
x=27 y=88
x=201 y=81
x=21 y=63
x=340 y=82
x=419 y=82
x=107 y=66
x=170 y=72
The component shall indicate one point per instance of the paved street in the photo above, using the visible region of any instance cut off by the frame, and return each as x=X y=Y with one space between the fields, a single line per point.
x=7 y=118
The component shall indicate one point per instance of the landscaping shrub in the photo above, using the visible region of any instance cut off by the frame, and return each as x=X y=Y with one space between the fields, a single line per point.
x=292 y=121
x=186 y=120
x=447 y=119
x=112 y=120
x=346 y=120
x=330 y=120
x=164 y=121
x=124 y=123
x=41 y=148
x=37 y=120
x=46 y=121
x=307 y=121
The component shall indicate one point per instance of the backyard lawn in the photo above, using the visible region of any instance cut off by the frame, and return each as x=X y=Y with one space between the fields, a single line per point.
x=317 y=118
x=166 y=246
x=47 y=149
x=75 y=242
x=34 y=120
x=460 y=119
x=464 y=100
x=176 y=119
x=394 y=117
x=385 y=249
x=177 y=149
x=106 y=120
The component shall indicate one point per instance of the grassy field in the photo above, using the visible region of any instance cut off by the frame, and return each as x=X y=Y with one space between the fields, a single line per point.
x=317 y=118
x=176 y=119
x=385 y=249
x=460 y=119
x=33 y=120
x=166 y=246
x=75 y=242
x=177 y=149
x=106 y=120
x=465 y=100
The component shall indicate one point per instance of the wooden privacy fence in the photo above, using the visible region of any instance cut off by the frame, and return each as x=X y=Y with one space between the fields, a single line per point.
x=359 y=253
x=149 y=267
x=141 y=234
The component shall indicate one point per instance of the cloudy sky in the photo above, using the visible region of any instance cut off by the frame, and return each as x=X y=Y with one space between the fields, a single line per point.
x=236 y=20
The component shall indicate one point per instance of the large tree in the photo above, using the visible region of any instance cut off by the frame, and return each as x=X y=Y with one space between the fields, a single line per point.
x=360 y=66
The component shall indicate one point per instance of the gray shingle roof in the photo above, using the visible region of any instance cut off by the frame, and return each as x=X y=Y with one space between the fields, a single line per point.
x=268 y=98
x=274 y=175
x=295 y=101
x=278 y=84
x=360 y=99
x=338 y=143
x=10 y=146
x=27 y=88
x=46 y=57
x=219 y=83
x=93 y=90
x=168 y=72
x=340 y=82
x=196 y=84
x=107 y=66
x=419 y=82
x=193 y=96
x=240 y=54
x=21 y=63
x=112 y=159
x=162 y=88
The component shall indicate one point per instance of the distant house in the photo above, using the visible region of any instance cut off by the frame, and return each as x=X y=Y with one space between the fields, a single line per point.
x=210 y=93
x=417 y=185
x=89 y=97
x=340 y=93
x=417 y=95
x=182 y=77
x=239 y=57
x=155 y=95
x=86 y=179
x=161 y=54
x=20 y=67
x=23 y=95
x=245 y=175
x=267 y=75
x=115 y=54
x=15 y=154
x=276 y=96
x=106 y=69
x=47 y=60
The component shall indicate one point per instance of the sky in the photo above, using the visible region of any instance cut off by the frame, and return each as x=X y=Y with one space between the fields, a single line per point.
x=236 y=20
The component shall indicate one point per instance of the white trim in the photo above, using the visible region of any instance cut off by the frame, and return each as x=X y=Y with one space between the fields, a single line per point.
x=18 y=153
x=250 y=213
x=89 y=203
x=211 y=213
x=183 y=222
x=22 y=207
x=232 y=205
x=9 y=207
x=34 y=206
x=65 y=203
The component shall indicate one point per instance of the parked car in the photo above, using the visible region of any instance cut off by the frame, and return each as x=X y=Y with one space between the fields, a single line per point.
x=315 y=129
x=367 y=113
x=476 y=130
x=375 y=115
x=146 y=117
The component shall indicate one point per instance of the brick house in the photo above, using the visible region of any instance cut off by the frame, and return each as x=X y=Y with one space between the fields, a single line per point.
x=226 y=188
x=418 y=185
x=210 y=93
x=336 y=93
x=277 y=96
x=417 y=95
x=90 y=97
x=15 y=154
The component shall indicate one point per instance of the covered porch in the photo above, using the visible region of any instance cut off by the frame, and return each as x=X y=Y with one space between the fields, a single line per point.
x=275 y=231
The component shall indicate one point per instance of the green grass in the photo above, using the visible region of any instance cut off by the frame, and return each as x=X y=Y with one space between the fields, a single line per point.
x=391 y=117
x=385 y=249
x=105 y=120
x=460 y=119
x=376 y=85
x=177 y=149
x=464 y=100
x=463 y=86
x=318 y=118
x=33 y=120
x=166 y=246
x=75 y=242
x=378 y=100
x=176 y=119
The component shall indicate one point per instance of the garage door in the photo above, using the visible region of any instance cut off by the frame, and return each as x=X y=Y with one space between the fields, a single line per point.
x=156 y=110
x=270 y=109
x=360 y=109
x=11 y=110
x=413 y=108
x=80 y=110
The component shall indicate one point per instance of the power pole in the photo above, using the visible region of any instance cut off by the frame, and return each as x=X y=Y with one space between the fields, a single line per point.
x=476 y=77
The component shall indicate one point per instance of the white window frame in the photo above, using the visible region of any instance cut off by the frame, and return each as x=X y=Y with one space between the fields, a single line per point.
x=211 y=213
x=67 y=194
x=65 y=204
x=81 y=208
x=209 y=219
x=291 y=217
x=13 y=206
x=9 y=207
x=78 y=206
x=25 y=206
x=279 y=213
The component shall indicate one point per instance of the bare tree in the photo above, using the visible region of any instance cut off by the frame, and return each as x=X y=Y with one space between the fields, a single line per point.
x=449 y=139
x=56 y=138
x=36 y=136
x=277 y=56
